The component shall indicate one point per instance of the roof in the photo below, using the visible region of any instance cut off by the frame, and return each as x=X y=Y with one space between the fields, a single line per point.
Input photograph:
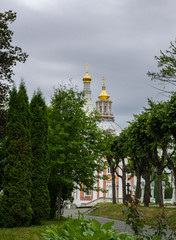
x=109 y=125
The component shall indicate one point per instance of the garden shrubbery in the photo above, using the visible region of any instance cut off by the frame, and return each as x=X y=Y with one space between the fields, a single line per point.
x=80 y=229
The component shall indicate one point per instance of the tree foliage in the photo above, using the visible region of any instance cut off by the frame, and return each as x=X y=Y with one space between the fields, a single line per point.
x=121 y=159
x=170 y=125
x=150 y=144
x=110 y=150
x=167 y=67
x=16 y=205
x=158 y=127
x=9 y=54
x=40 y=164
x=75 y=142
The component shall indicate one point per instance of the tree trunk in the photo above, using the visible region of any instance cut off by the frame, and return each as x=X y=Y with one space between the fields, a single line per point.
x=113 y=167
x=124 y=180
x=123 y=177
x=124 y=185
x=138 y=185
x=160 y=188
x=174 y=169
x=59 y=203
x=172 y=165
x=147 y=188
x=113 y=187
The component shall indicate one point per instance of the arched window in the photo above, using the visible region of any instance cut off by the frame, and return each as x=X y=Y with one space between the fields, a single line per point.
x=108 y=170
x=104 y=109
x=100 y=109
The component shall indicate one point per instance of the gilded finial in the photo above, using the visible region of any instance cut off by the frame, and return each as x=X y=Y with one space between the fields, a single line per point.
x=104 y=95
x=103 y=79
x=87 y=66
x=87 y=78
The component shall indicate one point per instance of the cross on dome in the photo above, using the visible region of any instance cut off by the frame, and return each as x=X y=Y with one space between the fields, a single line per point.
x=104 y=95
x=87 y=78
x=87 y=66
x=103 y=79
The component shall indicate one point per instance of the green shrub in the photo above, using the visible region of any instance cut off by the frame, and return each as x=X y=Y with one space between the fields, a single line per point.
x=161 y=230
x=168 y=192
x=80 y=229
x=1 y=223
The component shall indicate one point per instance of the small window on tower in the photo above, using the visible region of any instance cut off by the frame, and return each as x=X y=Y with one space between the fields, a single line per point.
x=101 y=109
x=108 y=170
x=105 y=109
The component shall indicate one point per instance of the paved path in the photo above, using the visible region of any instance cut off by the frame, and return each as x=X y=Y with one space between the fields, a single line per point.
x=120 y=225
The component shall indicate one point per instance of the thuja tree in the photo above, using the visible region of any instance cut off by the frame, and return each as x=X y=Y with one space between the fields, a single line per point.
x=9 y=56
x=40 y=164
x=3 y=115
x=74 y=141
x=16 y=205
x=2 y=161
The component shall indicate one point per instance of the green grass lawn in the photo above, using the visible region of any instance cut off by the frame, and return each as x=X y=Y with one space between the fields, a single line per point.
x=115 y=211
x=27 y=233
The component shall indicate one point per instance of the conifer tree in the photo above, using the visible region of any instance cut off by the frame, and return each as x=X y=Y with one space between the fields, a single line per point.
x=40 y=166
x=16 y=205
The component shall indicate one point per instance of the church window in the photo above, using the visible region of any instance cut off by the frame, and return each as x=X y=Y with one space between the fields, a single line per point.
x=87 y=192
x=108 y=170
x=105 y=109
x=100 y=109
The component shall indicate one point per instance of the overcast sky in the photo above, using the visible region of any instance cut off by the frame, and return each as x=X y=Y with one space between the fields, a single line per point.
x=118 y=38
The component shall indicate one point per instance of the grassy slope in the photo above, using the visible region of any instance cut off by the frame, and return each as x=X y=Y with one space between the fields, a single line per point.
x=26 y=233
x=107 y=210
x=150 y=213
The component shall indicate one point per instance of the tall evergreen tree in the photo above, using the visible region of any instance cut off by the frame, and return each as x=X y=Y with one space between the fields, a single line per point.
x=40 y=166
x=16 y=205
x=9 y=56
x=3 y=115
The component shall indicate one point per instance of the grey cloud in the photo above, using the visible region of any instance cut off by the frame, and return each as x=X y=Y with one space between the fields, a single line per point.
x=118 y=38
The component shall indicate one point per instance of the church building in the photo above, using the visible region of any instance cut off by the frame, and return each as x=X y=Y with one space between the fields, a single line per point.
x=104 y=108
x=90 y=198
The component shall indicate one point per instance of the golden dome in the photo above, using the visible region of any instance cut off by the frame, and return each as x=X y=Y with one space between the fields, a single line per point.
x=86 y=78
x=104 y=95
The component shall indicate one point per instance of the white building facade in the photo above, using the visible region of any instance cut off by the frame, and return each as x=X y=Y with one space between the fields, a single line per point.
x=104 y=108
